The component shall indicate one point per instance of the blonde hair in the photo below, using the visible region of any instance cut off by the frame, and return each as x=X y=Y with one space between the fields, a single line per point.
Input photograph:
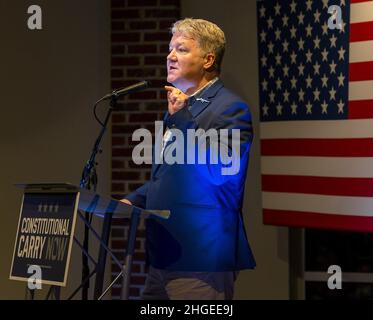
x=209 y=36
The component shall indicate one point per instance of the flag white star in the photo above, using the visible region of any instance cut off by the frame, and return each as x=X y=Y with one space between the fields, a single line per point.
x=301 y=44
x=285 y=69
x=272 y=97
x=317 y=42
x=309 y=5
x=265 y=85
x=325 y=28
x=278 y=34
x=309 y=82
x=332 y=67
x=309 y=108
x=285 y=46
x=301 y=69
x=325 y=2
x=293 y=108
x=293 y=83
x=342 y=27
x=324 y=54
x=270 y=23
x=341 y=53
x=324 y=107
x=301 y=95
x=324 y=80
x=316 y=67
x=263 y=36
x=263 y=59
x=277 y=9
x=271 y=72
x=309 y=30
x=341 y=79
x=285 y=20
x=262 y=11
x=333 y=40
x=270 y=47
x=279 y=109
x=278 y=83
x=301 y=18
x=340 y=106
x=293 y=32
x=317 y=15
x=265 y=110
x=343 y=3
x=293 y=57
x=316 y=94
x=309 y=56
x=293 y=6
x=332 y=93
x=286 y=96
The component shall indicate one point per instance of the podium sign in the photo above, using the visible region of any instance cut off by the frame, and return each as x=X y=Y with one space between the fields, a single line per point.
x=44 y=236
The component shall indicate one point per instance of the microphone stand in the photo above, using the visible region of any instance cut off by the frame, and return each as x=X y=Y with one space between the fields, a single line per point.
x=89 y=180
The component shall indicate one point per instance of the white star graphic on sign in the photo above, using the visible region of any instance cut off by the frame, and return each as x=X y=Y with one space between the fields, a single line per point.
x=301 y=95
x=309 y=56
x=324 y=54
x=265 y=85
x=309 y=5
x=325 y=28
x=278 y=83
x=324 y=80
x=301 y=44
x=317 y=15
x=56 y=207
x=317 y=42
x=278 y=34
x=263 y=60
x=316 y=67
x=309 y=30
x=324 y=107
x=272 y=97
x=301 y=18
x=270 y=47
x=316 y=94
x=293 y=108
x=293 y=83
x=301 y=69
x=332 y=67
x=332 y=93
x=293 y=32
x=285 y=45
x=263 y=36
x=325 y=2
x=342 y=26
x=286 y=96
x=271 y=72
x=279 y=109
x=277 y=9
x=293 y=6
x=341 y=79
x=51 y=208
x=265 y=110
x=340 y=106
x=293 y=57
x=40 y=207
x=309 y=108
x=45 y=209
x=278 y=59
x=309 y=82
x=285 y=20
x=285 y=69
x=341 y=53
x=270 y=23
x=262 y=11
x=333 y=40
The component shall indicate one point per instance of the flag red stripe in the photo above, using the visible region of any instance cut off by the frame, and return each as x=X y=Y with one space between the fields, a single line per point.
x=337 y=186
x=357 y=1
x=362 y=31
x=361 y=147
x=318 y=220
x=360 y=109
x=360 y=71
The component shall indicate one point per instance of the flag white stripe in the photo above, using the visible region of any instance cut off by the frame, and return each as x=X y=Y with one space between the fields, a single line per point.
x=361 y=12
x=355 y=167
x=361 y=51
x=341 y=205
x=359 y=128
x=360 y=90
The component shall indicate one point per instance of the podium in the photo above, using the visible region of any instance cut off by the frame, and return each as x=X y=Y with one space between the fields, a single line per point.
x=46 y=231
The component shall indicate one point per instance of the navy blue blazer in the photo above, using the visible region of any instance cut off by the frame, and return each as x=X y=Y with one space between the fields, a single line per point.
x=205 y=231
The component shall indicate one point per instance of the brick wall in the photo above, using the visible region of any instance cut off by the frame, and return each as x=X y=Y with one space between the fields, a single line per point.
x=139 y=39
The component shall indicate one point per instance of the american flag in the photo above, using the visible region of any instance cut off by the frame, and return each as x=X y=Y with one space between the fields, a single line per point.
x=316 y=113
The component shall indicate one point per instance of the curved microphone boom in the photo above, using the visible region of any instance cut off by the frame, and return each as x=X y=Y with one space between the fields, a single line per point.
x=127 y=90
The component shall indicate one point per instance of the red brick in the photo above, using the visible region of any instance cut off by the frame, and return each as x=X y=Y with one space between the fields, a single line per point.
x=116 y=164
x=138 y=280
x=124 y=61
x=163 y=48
x=117 y=3
x=117 y=49
x=125 y=175
x=145 y=72
x=142 y=3
x=117 y=25
x=157 y=36
x=166 y=24
x=125 y=37
x=128 y=128
x=124 y=14
x=117 y=187
x=142 y=25
x=117 y=141
x=116 y=73
x=145 y=95
x=134 y=186
x=143 y=117
x=155 y=60
x=120 y=222
x=121 y=152
x=117 y=118
x=142 y=48
x=175 y=3
x=161 y=13
x=156 y=106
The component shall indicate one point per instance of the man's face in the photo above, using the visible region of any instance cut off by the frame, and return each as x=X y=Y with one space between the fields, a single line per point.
x=185 y=62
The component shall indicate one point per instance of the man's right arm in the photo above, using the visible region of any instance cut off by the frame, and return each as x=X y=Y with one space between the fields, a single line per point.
x=138 y=197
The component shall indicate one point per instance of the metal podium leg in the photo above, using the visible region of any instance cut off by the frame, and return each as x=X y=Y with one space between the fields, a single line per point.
x=135 y=219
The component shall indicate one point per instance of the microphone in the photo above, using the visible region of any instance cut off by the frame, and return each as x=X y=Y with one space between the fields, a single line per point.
x=127 y=90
